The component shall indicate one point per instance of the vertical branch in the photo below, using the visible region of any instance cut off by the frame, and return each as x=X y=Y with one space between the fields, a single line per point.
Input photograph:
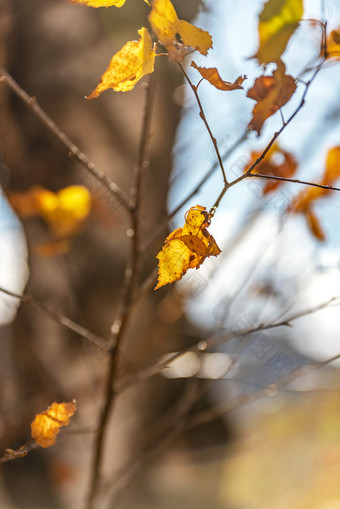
x=121 y=321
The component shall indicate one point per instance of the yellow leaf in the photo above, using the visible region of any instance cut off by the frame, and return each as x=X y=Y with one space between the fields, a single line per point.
x=46 y=426
x=332 y=165
x=333 y=44
x=65 y=210
x=100 y=3
x=271 y=93
x=277 y=23
x=186 y=248
x=169 y=28
x=212 y=75
x=135 y=60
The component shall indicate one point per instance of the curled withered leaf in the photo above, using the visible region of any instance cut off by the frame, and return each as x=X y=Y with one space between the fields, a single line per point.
x=212 y=75
x=46 y=426
x=277 y=23
x=270 y=93
x=278 y=162
x=186 y=248
x=133 y=61
x=176 y=35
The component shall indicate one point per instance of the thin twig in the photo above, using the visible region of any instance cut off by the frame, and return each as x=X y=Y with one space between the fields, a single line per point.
x=208 y=174
x=172 y=421
x=61 y=320
x=11 y=454
x=204 y=118
x=271 y=142
x=74 y=151
x=203 y=345
x=295 y=181
x=119 y=326
x=205 y=416
x=187 y=422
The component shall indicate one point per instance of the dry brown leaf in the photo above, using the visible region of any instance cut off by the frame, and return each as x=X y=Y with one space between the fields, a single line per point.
x=186 y=248
x=270 y=93
x=46 y=426
x=212 y=75
x=278 y=162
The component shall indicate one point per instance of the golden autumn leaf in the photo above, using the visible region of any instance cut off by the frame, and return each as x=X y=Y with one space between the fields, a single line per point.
x=212 y=75
x=278 y=162
x=304 y=201
x=133 y=61
x=333 y=44
x=186 y=248
x=46 y=426
x=99 y=3
x=169 y=28
x=270 y=93
x=65 y=210
x=277 y=23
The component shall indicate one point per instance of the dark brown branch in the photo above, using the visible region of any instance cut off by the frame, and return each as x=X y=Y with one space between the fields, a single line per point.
x=74 y=151
x=119 y=326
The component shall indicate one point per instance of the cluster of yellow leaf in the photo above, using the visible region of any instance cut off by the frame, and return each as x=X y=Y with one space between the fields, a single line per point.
x=136 y=58
x=46 y=426
x=186 y=248
x=64 y=211
x=211 y=74
x=283 y=166
x=270 y=93
x=304 y=201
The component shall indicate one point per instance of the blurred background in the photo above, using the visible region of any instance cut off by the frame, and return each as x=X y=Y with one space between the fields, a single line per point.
x=212 y=430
